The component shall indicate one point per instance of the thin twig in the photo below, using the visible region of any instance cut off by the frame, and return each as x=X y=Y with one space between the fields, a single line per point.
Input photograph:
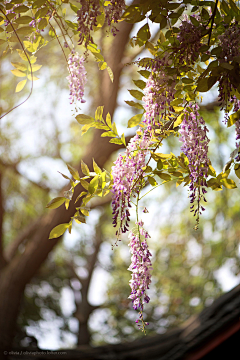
x=29 y=65
x=213 y=16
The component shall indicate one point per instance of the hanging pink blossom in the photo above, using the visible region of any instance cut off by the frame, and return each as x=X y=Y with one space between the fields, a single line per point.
x=77 y=77
x=126 y=173
x=195 y=146
x=140 y=266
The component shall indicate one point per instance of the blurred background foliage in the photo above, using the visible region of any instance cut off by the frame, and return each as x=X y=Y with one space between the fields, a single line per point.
x=83 y=288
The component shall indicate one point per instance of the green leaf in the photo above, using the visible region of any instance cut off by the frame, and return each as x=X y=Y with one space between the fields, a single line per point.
x=102 y=65
x=84 y=184
x=227 y=66
x=35 y=67
x=228 y=183
x=93 y=185
x=135 y=120
x=98 y=113
x=19 y=66
x=23 y=20
x=82 y=194
x=84 y=168
x=234 y=7
x=164 y=176
x=25 y=30
x=110 y=73
x=56 y=202
x=37 y=4
x=32 y=78
x=84 y=119
x=143 y=34
x=114 y=128
x=18 y=73
x=163 y=23
x=42 y=24
x=22 y=54
x=20 y=85
x=58 y=231
x=136 y=94
x=109 y=120
x=233 y=118
x=237 y=172
x=176 y=173
x=21 y=9
x=187 y=81
x=2 y=41
x=96 y=168
x=202 y=85
x=74 y=8
x=108 y=134
x=144 y=73
x=211 y=171
x=178 y=121
x=123 y=139
x=73 y=172
x=116 y=141
x=152 y=181
x=134 y=104
x=100 y=19
x=140 y=84
x=159 y=164
x=86 y=127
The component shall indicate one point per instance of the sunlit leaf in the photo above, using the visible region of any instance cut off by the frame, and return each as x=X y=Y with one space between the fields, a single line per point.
x=135 y=120
x=58 y=231
x=56 y=202
x=20 y=85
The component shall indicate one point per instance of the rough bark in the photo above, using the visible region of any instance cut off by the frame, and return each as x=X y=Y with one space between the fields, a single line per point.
x=19 y=271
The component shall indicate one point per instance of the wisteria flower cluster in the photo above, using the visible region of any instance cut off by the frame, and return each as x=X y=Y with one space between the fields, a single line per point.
x=237 y=130
x=127 y=172
x=114 y=12
x=189 y=38
x=87 y=19
x=230 y=44
x=88 y=13
x=77 y=77
x=12 y=11
x=140 y=266
x=195 y=147
x=158 y=93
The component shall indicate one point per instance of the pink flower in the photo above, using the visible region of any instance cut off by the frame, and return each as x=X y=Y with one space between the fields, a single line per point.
x=77 y=77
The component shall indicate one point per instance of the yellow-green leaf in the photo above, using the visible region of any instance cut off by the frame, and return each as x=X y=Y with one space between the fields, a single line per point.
x=178 y=121
x=84 y=184
x=135 y=120
x=18 y=73
x=56 y=202
x=108 y=120
x=228 y=183
x=73 y=172
x=164 y=176
x=58 y=231
x=19 y=66
x=93 y=185
x=32 y=77
x=110 y=73
x=96 y=168
x=84 y=168
x=42 y=24
x=20 y=85
x=211 y=171
x=84 y=119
